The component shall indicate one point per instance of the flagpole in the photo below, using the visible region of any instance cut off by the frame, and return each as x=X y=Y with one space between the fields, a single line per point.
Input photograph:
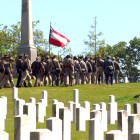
x=50 y=45
x=49 y=50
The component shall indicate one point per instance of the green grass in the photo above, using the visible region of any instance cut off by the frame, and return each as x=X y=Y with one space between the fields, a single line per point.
x=124 y=93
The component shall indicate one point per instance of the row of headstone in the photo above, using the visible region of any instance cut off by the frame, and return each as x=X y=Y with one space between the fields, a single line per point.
x=32 y=109
x=3 y=113
x=58 y=127
x=128 y=124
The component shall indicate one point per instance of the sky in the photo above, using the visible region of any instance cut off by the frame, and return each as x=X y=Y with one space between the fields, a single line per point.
x=118 y=20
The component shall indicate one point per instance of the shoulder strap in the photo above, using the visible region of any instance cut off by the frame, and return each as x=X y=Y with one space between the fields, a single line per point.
x=54 y=64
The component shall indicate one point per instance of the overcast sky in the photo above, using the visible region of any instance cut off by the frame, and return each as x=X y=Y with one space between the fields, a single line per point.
x=118 y=20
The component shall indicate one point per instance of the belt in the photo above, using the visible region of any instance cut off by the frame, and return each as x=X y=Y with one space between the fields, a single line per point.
x=67 y=66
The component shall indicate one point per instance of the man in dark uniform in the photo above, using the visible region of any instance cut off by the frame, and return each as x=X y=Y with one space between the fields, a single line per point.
x=19 y=67
x=47 y=77
x=109 y=70
x=100 y=70
x=1 y=69
x=36 y=70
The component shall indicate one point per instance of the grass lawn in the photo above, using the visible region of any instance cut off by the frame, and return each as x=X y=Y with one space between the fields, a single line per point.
x=124 y=93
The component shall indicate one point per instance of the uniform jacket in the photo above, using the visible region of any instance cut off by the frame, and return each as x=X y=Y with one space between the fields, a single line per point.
x=109 y=66
x=54 y=65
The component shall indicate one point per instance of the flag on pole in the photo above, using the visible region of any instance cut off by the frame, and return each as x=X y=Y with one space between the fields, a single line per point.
x=57 y=39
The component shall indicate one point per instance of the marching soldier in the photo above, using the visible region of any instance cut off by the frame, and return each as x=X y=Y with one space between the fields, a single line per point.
x=1 y=69
x=109 y=69
x=62 y=73
x=116 y=70
x=7 y=72
x=48 y=77
x=83 y=70
x=100 y=70
x=68 y=67
x=89 y=68
x=55 y=70
x=19 y=67
x=26 y=72
x=77 y=70
x=93 y=74
x=36 y=70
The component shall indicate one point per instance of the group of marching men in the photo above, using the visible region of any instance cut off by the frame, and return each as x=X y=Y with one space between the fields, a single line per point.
x=69 y=72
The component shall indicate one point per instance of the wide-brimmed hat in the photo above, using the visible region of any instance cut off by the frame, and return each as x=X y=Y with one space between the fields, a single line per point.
x=11 y=58
x=6 y=56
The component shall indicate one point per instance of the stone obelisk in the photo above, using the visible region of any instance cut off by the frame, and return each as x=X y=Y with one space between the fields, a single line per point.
x=27 y=44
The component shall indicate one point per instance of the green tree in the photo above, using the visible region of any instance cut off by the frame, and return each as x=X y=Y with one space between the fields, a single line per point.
x=127 y=55
x=132 y=60
x=10 y=38
x=94 y=43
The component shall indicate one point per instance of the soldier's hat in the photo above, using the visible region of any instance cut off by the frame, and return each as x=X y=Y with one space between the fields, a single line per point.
x=11 y=58
x=80 y=57
x=113 y=58
x=108 y=57
x=37 y=58
x=68 y=56
x=47 y=57
x=26 y=55
x=21 y=55
x=75 y=58
x=6 y=56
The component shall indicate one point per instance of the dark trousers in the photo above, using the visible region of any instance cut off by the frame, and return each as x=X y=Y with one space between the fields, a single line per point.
x=19 y=78
x=55 y=78
x=107 y=78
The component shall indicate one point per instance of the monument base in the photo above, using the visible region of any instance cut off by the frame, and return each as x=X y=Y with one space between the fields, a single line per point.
x=29 y=50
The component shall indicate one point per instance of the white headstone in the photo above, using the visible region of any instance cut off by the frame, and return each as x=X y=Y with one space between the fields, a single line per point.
x=104 y=115
x=54 y=124
x=54 y=101
x=30 y=110
x=2 y=123
x=55 y=109
x=75 y=106
x=18 y=107
x=41 y=134
x=137 y=108
x=115 y=135
x=127 y=107
x=112 y=110
x=86 y=105
x=135 y=136
x=32 y=100
x=64 y=115
x=44 y=105
x=96 y=107
x=15 y=93
x=76 y=95
x=95 y=128
x=81 y=119
x=70 y=106
x=133 y=125
x=45 y=97
x=40 y=112
x=4 y=135
x=123 y=122
x=3 y=107
x=21 y=128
